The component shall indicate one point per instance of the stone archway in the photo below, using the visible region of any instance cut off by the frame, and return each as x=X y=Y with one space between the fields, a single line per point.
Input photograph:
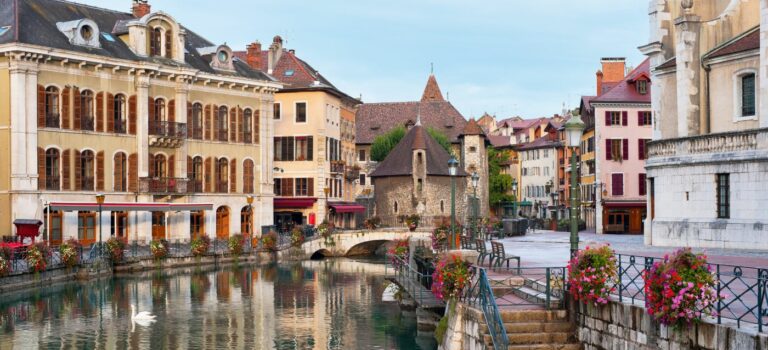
x=367 y=248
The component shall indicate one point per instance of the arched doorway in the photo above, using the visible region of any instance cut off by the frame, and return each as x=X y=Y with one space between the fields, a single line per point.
x=222 y=222
x=246 y=221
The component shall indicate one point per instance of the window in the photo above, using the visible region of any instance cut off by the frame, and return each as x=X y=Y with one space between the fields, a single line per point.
x=278 y=187
x=472 y=149
x=86 y=170
x=52 y=107
x=302 y=187
x=617 y=184
x=221 y=123
x=222 y=222
x=362 y=179
x=617 y=149
x=288 y=72
x=642 y=86
x=303 y=148
x=156 y=42
x=361 y=155
x=442 y=207
x=748 y=95
x=120 y=114
x=197 y=173
x=723 y=196
x=615 y=118
x=197 y=121
x=119 y=224
x=246 y=221
x=52 y=181
x=159 y=107
x=301 y=112
x=641 y=184
x=86 y=110
x=158 y=167
x=644 y=118
x=86 y=227
x=120 y=173
x=56 y=220
x=222 y=175
x=168 y=44
x=196 y=224
x=277 y=113
x=396 y=207
x=247 y=125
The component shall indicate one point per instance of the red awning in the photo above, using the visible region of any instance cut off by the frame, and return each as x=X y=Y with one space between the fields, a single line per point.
x=74 y=206
x=347 y=207
x=293 y=203
x=636 y=204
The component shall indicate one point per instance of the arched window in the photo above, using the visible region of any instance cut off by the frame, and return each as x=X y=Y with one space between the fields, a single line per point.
x=197 y=173
x=247 y=126
x=197 y=224
x=156 y=42
x=159 y=169
x=197 y=121
x=246 y=221
x=221 y=123
x=121 y=113
x=396 y=207
x=442 y=207
x=222 y=175
x=86 y=110
x=52 y=181
x=160 y=110
x=120 y=172
x=222 y=222
x=87 y=170
x=248 y=176
x=52 y=107
x=168 y=44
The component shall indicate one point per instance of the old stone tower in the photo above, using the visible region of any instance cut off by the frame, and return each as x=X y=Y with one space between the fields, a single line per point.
x=475 y=159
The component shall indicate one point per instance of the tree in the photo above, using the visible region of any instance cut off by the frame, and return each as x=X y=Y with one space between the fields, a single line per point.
x=440 y=138
x=499 y=184
x=383 y=144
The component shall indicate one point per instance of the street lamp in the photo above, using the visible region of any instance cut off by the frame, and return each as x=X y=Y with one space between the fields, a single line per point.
x=574 y=128
x=327 y=191
x=475 y=204
x=100 y=201
x=514 y=198
x=453 y=166
x=249 y=200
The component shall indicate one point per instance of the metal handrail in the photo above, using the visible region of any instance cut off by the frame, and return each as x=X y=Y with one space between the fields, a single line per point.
x=481 y=293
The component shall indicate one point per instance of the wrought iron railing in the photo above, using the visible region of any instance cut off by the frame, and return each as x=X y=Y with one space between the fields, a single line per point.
x=195 y=186
x=411 y=279
x=86 y=123
x=167 y=129
x=223 y=135
x=53 y=183
x=481 y=294
x=164 y=185
x=52 y=121
x=337 y=166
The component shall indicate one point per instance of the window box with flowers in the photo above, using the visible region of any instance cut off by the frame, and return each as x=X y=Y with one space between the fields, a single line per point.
x=399 y=252
x=115 y=248
x=159 y=249
x=452 y=275
x=235 y=244
x=592 y=274
x=199 y=246
x=269 y=241
x=37 y=255
x=412 y=221
x=70 y=252
x=297 y=237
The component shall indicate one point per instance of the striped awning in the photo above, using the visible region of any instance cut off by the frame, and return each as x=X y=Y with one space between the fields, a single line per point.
x=91 y=206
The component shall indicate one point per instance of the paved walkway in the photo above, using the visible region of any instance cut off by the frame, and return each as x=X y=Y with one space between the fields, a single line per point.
x=550 y=248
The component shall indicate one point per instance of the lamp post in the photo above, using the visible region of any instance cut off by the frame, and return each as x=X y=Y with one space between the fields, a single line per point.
x=514 y=198
x=555 y=201
x=249 y=200
x=327 y=191
x=574 y=128
x=100 y=201
x=475 y=204
x=453 y=166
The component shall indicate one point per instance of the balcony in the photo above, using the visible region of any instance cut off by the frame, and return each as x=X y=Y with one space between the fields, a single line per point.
x=53 y=184
x=86 y=183
x=222 y=135
x=352 y=173
x=120 y=127
x=337 y=166
x=733 y=146
x=52 y=121
x=166 y=134
x=195 y=186
x=163 y=185
x=222 y=187
x=86 y=123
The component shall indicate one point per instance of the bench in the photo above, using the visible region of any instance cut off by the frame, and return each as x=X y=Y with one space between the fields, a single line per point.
x=480 y=247
x=498 y=256
x=466 y=242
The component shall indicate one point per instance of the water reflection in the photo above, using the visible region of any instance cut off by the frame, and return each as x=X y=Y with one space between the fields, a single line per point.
x=331 y=304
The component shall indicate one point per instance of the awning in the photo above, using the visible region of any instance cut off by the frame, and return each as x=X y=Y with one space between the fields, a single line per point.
x=88 y=206
x=347 y=207
x=293 y=203
x=524 y=204
x=627 y=204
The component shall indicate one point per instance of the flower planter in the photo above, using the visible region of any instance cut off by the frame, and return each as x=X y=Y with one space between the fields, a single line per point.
x=412 y=227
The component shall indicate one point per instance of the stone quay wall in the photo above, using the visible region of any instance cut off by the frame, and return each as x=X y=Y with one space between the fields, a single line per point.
x=465 y=329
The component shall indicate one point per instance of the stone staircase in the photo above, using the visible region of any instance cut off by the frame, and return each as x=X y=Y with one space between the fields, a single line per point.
x=536 y=330
x=529 y=290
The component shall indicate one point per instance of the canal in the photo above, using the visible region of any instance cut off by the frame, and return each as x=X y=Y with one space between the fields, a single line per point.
x=327 y=304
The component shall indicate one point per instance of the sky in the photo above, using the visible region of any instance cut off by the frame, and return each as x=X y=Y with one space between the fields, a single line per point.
x=504 y=57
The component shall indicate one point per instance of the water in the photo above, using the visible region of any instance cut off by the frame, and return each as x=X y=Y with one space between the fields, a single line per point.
x=330 y=304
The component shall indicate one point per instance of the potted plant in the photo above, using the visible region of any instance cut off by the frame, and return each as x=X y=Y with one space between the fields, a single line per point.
x=297 y=237
x=236 y=244
x=159 y=248
x=398 y=253
x=5 y=264
x=36 y=257
x=412 y=221
x=199 y=246
x=70 y=252
x=451 y=277
x=593 y=274
x=269 y=241
x=326 y=229
x=116 y=248
x=372 y=222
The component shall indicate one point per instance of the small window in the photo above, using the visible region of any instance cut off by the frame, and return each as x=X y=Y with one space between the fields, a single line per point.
x=396 y=207
x=472 y=149
x=301 y=112
x=223 y=56
x=723 y=196
x=615 y=118
x=288 y=72
x=748 y=95
x=277 y=112
x=86 y=32
x=644 y=118
x=361 y=155
x=642 y=86
x=362 y=179
x=617 y=184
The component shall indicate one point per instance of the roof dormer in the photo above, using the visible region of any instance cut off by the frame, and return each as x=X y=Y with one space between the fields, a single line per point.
x=81 y=32
x=157 y=35
x=220 y=56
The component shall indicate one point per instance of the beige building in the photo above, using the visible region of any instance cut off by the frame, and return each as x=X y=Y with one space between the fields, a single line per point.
x=166 y=124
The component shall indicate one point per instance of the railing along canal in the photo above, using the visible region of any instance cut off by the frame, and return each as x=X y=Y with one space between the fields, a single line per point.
x=480 y=294
x=413 y=281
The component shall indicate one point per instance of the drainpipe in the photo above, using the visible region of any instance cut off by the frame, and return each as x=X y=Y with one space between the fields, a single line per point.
x=708 y=115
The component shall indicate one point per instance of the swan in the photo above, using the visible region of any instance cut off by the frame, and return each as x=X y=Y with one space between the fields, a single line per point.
x=141 y=316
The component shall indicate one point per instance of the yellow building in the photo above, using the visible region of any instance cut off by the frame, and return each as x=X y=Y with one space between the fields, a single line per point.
x=313 y=141
x=169 y=126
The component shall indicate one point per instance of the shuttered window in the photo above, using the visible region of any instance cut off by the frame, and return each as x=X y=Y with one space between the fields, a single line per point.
x=248 y=176
x=723 y=196
x=120 y=176
x=52 y=107
x=641 y=184
x=748 y=95
x=617 y=184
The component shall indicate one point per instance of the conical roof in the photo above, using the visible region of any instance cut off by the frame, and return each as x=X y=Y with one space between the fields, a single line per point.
x=399 y=162
x=432 y=91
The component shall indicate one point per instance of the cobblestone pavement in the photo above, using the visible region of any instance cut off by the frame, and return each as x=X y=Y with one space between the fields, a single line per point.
x=550 y=248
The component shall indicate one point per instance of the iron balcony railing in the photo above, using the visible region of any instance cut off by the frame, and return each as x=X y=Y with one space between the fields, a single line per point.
x=164 y=185
x=86 y=183
x=197 y=133
x=52 y=183
x=167 y=129
x=195 y=186
x=52 y=121
x=86 y=123
x=223 y=135
x=337 y=166
x=120 y=127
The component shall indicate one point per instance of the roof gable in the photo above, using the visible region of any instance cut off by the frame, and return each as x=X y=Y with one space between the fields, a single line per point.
x=747 y=41
x=432 y=91
x=626 y=91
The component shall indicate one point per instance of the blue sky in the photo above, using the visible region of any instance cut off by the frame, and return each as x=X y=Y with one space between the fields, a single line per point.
x=506 y=57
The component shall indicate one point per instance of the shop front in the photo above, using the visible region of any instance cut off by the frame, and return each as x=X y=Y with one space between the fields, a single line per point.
x=290 y=212
x=624 y=217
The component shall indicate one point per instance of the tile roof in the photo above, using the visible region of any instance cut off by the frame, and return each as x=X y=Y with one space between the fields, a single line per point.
x=37 y=21
x=586 y=104
x=399 y=161
x=500 y=140
x=670 y=63
x=432 y=91
x=541 y=142
x=625 y=91
x=473 y=128
x=747 y=41
x=373 y=119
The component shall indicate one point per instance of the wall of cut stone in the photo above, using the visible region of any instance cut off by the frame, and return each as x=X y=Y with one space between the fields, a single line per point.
x=465 y=330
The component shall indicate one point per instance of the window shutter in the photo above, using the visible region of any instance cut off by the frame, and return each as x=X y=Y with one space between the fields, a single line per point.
x=132 y=115
x=617 y=184
x=640 y=149
x=100 y=112
x=189 y=118
x=640 y=118
x=78 y=171
x=624 y=116
x=40 y=168
x=310 y=145
x=233 y=119
x=288 y=187
x=607 y=118
x=256 y=125
x=40 y=106
x=208 y=174
x=65 y=96
x=152 y=165
x=168 y=44
x=78 y=103
x=110 y=112
x=608 y=150
x=65 y=170
x=215 y=123
x=625 y=152
x=151 y=104
x=311 y=187
x=240 y=125
x=117 y=172
x=189 y=168
x=172 y=166
x=100 y=171
x=233 y=175
x=133 y=172
x=207 y=122
x=641 y=184
x=172 y=110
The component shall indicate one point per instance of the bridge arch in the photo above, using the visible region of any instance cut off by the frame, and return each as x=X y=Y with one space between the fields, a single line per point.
x=320 y=254
x=366 y=247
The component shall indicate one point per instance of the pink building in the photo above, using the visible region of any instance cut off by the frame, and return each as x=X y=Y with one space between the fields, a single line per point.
x=623 y=122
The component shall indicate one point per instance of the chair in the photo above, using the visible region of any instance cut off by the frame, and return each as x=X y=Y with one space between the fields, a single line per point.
x=498 y=256
x=466 y=242
x=480 y=247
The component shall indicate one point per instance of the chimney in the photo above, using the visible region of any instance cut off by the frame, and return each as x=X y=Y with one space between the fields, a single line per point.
x=275 y=51
x=599 y=75
x=140 y=8
x=614 y=69
x=253 y=55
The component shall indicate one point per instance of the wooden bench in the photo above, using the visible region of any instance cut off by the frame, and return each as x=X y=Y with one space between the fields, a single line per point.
x=480 y=247
x=466 y=242
x=498 y=256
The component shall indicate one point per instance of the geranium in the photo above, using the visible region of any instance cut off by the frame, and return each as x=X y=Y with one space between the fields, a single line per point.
x=199 y=246
x=70 y=252
x=326 y=230
x=398 y=253
x=159 y=248
x=450 y=278
x=297 y=237
x=235 y=244
x=36 y=257
x=116 y=248
x=269 y=241
x=681 y=289
x=592 y=274
x=5 y=266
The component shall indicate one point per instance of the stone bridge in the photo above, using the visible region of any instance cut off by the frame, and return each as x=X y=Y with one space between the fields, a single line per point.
x=353 y=242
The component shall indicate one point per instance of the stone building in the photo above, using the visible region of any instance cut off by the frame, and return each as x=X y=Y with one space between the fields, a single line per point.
x=166 y=124
x=414 y=179
x=707 y=167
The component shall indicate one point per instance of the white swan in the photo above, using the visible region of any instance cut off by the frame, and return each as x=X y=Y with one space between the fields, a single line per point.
x=141 y=316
